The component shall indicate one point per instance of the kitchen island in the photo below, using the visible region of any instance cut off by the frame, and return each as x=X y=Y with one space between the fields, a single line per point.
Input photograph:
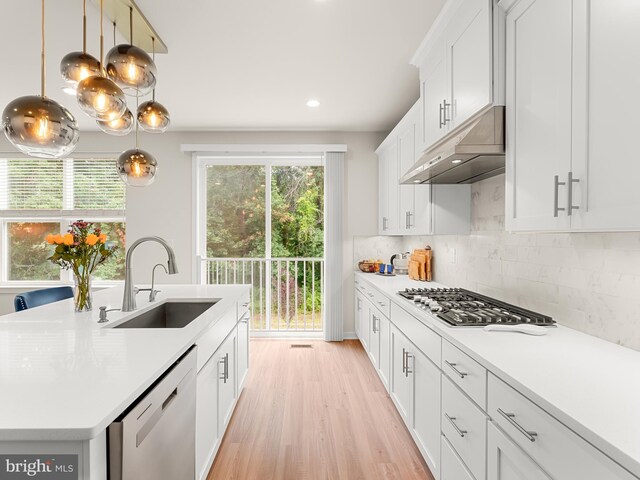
x=65 y=377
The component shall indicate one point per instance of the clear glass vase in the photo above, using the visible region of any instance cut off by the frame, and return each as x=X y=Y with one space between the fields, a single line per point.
x=82 y=293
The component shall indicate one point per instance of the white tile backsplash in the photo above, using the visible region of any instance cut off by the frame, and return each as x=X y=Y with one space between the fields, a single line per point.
x=587 y=281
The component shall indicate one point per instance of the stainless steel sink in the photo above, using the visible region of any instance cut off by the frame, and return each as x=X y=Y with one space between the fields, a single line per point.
x=168 y=315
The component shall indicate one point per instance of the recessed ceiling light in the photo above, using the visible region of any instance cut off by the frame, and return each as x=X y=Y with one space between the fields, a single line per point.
x=416 y=181
x=313 y=103
x=456 y=161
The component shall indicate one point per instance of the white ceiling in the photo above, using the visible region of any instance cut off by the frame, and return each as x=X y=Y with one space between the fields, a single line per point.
x=246 y=64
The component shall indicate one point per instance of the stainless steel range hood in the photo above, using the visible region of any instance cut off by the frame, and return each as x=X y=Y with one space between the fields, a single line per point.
x=470 y=153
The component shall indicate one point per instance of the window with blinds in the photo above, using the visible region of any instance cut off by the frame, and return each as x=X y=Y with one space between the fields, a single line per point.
x=41 y=196
x=68 y=184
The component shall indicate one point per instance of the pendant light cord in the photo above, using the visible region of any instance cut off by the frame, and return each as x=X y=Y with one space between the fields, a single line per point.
x=135 y=120
x=104 y=72
x=131 y=25
x=84 y=26
x=153 y=49
x=42 y=59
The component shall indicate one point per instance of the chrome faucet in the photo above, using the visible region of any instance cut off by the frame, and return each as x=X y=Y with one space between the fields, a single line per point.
x=129 y=299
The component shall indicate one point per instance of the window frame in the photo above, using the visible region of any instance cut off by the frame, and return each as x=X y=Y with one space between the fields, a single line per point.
x=64 y=217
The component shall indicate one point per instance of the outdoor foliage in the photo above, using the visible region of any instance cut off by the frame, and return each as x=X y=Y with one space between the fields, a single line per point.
x=236 y=226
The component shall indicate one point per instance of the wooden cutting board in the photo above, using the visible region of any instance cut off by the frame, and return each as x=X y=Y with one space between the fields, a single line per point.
x=423 y=259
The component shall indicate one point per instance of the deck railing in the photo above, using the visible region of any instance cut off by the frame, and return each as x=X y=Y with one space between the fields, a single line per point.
x=287 y=293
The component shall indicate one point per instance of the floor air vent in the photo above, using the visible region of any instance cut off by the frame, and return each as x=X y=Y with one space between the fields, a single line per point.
x=301 y=345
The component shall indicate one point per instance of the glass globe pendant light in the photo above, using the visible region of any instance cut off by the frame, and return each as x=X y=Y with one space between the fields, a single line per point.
x=99 y=97
x=131 y=67
x=137 y=167
x=120 y=126
x=153 y=117
x=39 y=126
x=76 y=66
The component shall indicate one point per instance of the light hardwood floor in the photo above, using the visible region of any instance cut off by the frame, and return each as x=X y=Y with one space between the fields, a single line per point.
x=315 y=413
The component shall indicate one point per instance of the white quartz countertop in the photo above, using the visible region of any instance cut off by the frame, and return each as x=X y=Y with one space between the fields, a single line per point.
x=589 y=384
x=63 y=376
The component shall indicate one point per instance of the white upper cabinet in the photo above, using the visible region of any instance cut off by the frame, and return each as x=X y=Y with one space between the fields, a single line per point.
x=469 y=46
x=457 y=67
x=606 y=99
x=571 y=115
x=416 y=209
x=538 y=131
x=435 y=101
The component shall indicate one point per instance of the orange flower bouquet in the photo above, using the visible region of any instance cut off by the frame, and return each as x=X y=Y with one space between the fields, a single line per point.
x=82 y=249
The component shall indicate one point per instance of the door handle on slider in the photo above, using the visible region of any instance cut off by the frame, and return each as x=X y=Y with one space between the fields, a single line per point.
x=510 y=417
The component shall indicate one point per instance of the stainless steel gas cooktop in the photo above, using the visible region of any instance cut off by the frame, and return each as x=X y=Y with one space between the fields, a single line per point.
x=462 y=308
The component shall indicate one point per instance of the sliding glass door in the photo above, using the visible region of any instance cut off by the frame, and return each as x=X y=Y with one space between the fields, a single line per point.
x=261 y=222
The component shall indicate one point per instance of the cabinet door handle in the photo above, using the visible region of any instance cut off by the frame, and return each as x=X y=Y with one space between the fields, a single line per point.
x=452 y=420
x=570 y=181
x=440 y=118
x=556 y=185
x=510 y=417
x=373 y=323
x=446 y=105
x=382 y=304
x=409 y=214
x=225 y=368
x=453 y=366
x=384 y=223
x=407 y=371
x=404 y=361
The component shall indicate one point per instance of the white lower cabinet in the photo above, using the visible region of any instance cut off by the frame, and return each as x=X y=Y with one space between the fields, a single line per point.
x=426 y=409
x=219 y=383
x=206 y=416
x=374 y=337
x=465 y=426
x=401 y=386
x=558 y=450
x=243 y=351
x=384 y=328
x=452 y=467
x=506 y=461
x=226 y=380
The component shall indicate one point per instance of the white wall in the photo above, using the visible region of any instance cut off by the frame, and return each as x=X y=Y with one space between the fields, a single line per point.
x=164 y=208
x=587 y=281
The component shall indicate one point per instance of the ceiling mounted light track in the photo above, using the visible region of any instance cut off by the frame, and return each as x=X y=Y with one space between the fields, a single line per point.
x=98 y=96
x=76 y=66
x=131 y=67
x=39 y=126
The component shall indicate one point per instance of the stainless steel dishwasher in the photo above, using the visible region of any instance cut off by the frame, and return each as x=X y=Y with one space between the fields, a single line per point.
x=155 y=439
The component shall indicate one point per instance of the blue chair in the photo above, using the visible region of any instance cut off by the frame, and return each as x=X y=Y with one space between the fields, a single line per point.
x=36 y=298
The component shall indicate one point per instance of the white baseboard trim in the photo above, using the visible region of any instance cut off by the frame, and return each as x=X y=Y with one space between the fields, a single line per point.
x=350 y=336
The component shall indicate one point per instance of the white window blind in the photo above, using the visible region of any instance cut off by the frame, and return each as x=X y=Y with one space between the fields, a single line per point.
x=40 y=197
x=73 y=184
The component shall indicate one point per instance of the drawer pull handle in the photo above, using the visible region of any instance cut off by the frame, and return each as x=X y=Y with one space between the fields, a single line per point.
x=509 y=417
x=452 y=420
x=370 y=294
x=404 y=361
x=453 y=366
x=382 y=304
